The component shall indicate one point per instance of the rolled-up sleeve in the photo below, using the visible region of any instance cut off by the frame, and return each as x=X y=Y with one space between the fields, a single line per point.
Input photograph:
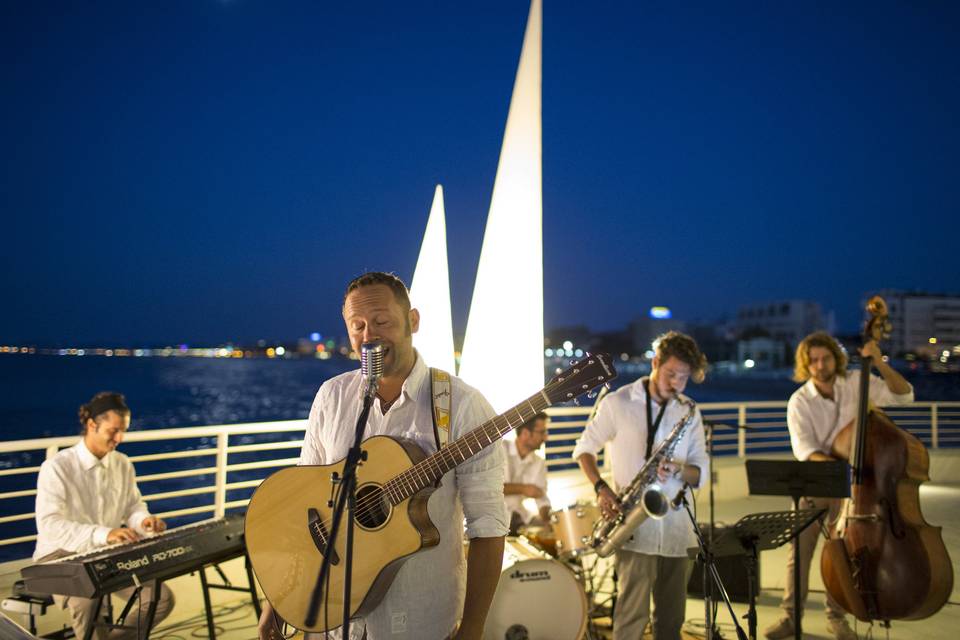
x=53 y=523
x=881 y=395
x=599 y=431
x=135 y=510
x=480 y=479
x=312 y=452
x=802 y=436
x=697 y=448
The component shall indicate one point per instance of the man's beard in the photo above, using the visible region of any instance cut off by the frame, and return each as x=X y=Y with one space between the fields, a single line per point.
x=826 y=378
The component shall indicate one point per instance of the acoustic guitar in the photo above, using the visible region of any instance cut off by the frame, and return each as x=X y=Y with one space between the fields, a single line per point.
x=288 y=519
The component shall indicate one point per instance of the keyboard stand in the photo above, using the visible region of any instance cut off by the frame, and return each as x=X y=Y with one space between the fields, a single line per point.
x=205 y=587
x=226 y=585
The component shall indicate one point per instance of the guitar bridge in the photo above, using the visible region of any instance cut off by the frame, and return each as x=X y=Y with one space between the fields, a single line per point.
x=318 y=531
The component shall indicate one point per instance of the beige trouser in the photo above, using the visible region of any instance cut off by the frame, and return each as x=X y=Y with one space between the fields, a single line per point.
x=640 y=576
x=808 y=544
x=81 y=612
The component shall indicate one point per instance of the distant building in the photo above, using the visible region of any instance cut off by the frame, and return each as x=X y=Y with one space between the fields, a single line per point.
x=645 y=329
x=762 y=353
x=787 y=321
x=922 y=322
x=717 y=339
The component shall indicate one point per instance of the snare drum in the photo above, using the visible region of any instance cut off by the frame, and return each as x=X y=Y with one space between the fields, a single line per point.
x=573 y=527
x=541 y=537
x=537 y=598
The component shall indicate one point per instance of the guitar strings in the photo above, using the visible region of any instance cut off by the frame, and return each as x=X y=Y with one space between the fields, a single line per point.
x=369 y=502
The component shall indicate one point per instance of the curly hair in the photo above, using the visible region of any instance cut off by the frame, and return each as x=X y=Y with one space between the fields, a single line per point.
x=683 y=348
x=391 y=280
x=801 y=361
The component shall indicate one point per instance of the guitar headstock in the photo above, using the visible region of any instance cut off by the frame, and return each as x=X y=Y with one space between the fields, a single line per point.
x=583 y=375
x=878 y=325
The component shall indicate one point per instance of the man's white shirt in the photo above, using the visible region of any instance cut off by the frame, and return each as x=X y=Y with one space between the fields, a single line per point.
x=529 y=470
x=426 y=597
x=620 y=426
x=815 y=421
x=80 y=498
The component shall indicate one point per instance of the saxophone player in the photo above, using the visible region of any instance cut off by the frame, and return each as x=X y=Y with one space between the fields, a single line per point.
x=630 y=423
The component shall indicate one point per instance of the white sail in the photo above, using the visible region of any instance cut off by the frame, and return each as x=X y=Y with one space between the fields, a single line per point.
x=430 y=292
x=503 y=345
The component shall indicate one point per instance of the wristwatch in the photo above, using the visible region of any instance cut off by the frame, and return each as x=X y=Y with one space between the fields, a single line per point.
x=599 y=484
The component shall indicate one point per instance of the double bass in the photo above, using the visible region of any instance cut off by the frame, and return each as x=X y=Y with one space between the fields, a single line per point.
x=883 y=561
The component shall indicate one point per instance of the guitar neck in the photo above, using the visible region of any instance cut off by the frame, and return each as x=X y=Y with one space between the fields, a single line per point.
x=428 y=471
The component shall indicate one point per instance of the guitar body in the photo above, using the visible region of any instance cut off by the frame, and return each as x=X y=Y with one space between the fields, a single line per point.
x=289 y=518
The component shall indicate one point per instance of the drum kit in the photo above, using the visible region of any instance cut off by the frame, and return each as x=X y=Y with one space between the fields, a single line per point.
x=550 y=586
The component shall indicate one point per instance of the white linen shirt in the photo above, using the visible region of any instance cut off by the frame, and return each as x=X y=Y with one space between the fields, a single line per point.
x=621 y=422
x=529 y=470
x=426 y=597
x=814 y=421
x=80 y=498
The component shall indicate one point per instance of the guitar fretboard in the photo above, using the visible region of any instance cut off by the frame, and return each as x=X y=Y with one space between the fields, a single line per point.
x=428 y=471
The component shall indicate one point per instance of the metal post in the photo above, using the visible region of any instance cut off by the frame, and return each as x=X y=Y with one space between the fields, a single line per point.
x=220 y=492
x=934 y=426
x=742 y=432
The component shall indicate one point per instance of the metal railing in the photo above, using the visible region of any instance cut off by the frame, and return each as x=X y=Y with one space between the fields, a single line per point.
x=208 y=471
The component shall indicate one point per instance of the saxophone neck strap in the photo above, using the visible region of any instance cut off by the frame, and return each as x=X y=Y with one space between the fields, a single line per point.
x=652 y=425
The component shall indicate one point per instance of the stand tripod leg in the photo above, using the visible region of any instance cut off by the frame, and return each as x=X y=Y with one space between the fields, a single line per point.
x=797 y=613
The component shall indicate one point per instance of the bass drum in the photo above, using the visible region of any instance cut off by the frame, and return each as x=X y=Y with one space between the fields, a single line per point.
x=537 y=598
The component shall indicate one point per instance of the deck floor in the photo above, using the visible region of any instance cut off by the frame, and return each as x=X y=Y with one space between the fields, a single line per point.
x=235 y=618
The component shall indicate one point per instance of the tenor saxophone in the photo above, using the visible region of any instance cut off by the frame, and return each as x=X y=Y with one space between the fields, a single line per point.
x=644 y=497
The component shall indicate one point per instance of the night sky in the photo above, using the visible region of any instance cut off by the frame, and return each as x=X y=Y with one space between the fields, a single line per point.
x=203 y=171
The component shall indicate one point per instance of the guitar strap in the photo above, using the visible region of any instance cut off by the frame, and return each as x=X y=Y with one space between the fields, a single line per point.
x=440 y=392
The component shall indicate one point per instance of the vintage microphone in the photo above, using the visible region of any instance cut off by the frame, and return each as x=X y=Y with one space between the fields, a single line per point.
x=371 y=366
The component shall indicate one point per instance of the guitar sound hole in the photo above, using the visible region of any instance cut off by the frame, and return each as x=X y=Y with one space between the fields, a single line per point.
x=372 y=507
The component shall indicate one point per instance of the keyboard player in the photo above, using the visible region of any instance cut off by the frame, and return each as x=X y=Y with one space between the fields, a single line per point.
x=87 y=497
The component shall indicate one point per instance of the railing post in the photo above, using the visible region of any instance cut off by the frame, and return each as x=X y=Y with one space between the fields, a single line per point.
x=934 y=426
x=52 y=451
x=220 y=493
x=742 y=432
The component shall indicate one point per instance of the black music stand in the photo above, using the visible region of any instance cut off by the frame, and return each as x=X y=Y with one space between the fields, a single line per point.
x=826 y=479
x=760 y=532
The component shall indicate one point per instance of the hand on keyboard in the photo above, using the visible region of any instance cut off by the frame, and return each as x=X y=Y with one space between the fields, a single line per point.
x=153 y=524
x=122 y=534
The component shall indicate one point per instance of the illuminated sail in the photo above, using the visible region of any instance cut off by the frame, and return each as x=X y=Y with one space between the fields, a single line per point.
x=503 y=347
x=430 y=292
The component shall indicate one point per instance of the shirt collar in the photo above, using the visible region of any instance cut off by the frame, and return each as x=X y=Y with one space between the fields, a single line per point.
x=514 y=451
x=88 y=460
x=809 y=389
x=412 y=386
x=640 y=391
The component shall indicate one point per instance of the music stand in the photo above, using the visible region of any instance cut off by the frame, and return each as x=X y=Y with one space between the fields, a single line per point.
x=826 y=479
x=760 y=532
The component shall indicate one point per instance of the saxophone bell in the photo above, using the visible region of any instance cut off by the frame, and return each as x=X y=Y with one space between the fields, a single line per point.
x=655 y=501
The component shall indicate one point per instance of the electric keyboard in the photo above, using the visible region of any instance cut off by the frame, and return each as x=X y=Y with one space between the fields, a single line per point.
x=160 y=557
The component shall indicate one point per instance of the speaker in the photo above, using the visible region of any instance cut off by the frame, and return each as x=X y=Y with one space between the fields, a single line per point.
x=732 y=570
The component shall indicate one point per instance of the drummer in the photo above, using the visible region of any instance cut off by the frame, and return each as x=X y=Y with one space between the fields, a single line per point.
x=525 y=475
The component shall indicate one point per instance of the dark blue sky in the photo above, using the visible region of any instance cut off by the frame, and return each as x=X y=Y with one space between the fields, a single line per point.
x=203 y=171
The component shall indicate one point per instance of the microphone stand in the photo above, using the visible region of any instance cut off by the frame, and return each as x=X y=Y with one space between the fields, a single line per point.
x=710 y=621
x=706 y=559
x=346 y=501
